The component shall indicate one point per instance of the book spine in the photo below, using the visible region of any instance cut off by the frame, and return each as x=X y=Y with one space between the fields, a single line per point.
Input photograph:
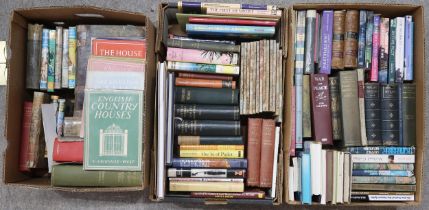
x=44 y=60
x=231 y=21
x=408 y=61
x=199 y=7
x=68 y=151
x=206 y=112
x=51 y=61
x=373 y=75
x=317 y=39
x=211 y=147
x=306 y=107
x=34 y=146
x=372 y=198
x=229 y=30
x=382 y=158
x=334 y=93
x=208 y=128
x=350 y=108
x=382 y=173
x=400 y=49
x=409 y=114
x=122 y=48
x=58 y=56
x=203 y=68
x=205 y=76
x=384 y=166
x=254 y=141
x=338 y=40
x=206 y=173
x=215 y=41
x=72 y=57
x=361 y=95
x=400 y=115
x=209 y=163
x=362 y=33
x=75 y=176
x=293 y=124
x=34 y=48
x=351 y=38
x=243 y=81
x=243 y=195
x=25 y=136
x=190 y=95
x=385 y=187
x=326 y=42
x=60 y=117
x=201 y=56
x=321 y=110
x=205 y=83
x=384 y=51
x=389 y=114
x=177 y=186
x=210 y=140
x=383 y=180
x=306 y=179
x=222 y=47
x=244 y=12
x=180 y=179
x=392 y=51
x=211 y=153
x=299 y=70
x=310 y=28
x=368 y=39
x=267 y=153
x=383 y=150
x=65 y=60
x=373 y=113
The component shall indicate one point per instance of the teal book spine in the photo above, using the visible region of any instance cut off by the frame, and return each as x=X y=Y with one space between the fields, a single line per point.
x=368 y=39
x=230 y=30
x=51 y=60
x=382 y=173
x=306 y=193
x=203 y=68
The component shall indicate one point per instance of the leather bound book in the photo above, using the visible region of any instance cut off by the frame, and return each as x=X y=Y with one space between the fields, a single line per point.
x=34 y=50
x=389 y=114
x=207 y=128
x=373 y=113
x=306 y=107
x=338 y=40
x=351 y=39
x=334 y=93
x=207 y=112
x=409 y=114
x=254 y=139
x=267 y=153
x=68 y=151
x=321 y=108
x=191 y=95
x=25 y=136
x=350 y=108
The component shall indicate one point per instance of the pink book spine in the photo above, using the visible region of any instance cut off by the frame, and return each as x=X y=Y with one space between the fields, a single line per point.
x=201 y=56
x=292 y=144
x=99 y=64
x=373 y=75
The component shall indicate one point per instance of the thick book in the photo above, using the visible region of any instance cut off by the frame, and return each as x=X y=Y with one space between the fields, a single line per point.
x=390 y=124
x=400 y=49
x=72 y=57
x=382 y=158
x=205 y=83
x=384 y=187
x=58 y=56
x=368 y=39
x=310 y=28
x=267 y=153
x=34 y=50
x=207 y=128
x=306 y=179
x=203 y=68
x=388 y=150
x=383 y=64
x=321 y=108
x=211 y=147
x=373 y=75
x=206 y=112
x=357 y=172
x=244 y=12
x=326 y=42
x=51 y=60
x=113 y=130
x=201 y=56
x=362 y=38
x=373 y=113
x=44 y=57
x=75 y=176
x=384 y=166
x=256 y=194
x=119 y=47
x=299 y=71
x=209 y=163
x=191 y=95
x=231 y=21
x=204 y=76
x=351 y=34
x=383 y=180
x=206 y=173
x=225 y=153
x=350 y=108
x=335 y=99
x=36 y=147
x=191 y=186
x=361 y=95
x=409 y=114
x=381 y=196
x=306 y=107
x=254 y=140
x=25 y=136
x=68 y=151
x=210 y=140
x=338 y=39
x=391 y=76
x=409 y=48
x=230 y=31
x=188 y=44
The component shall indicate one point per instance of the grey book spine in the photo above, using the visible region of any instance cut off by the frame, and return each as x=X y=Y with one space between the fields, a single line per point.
x=310 y=28
x=409 y=114
x=34 y=50
x=334 y=92
x=350 y=108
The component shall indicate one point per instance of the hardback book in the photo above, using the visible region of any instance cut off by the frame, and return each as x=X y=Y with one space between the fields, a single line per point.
x=199 y=7
x=384 y=166
x=384 y=187
x=68 y=151
x=299 y=71
x=209 y=163
x=306 y=179
x=65 y=60
x=409 y=114
x=383 y=150
x=351 y=38
x=317 y=39
x=362 y=38
x=296 y=161
x=350 y=108
x=400 y=49
x=188 y=44
x=335 y=177
x=206 y=112
x=383 y=65
x=206 y=173
x=373 y=113
x=211 y=153
x=368 y=39
x=335 y=100
x=382 y=158
x=191 y=95
x=347 y=177
x=409 y=48
x=210 y=140
x=205 y=83
x=338 y=39
x=260 y=75
x=113 y=130
x=58 y=56
x=293 y=143
x=400 y=115
x=315 y=149
x=373 y=75
x=382 y=173
x=390 y=114
x=340 y=178
x=329 y=159
x=192 y=186
x=181 y=37
x=205 y=76
x=230 y=31
x=44 y=60
x=34 y=49
x=254 y=140
x=201 y=56
x=361 y=95
x=243 y=78
x=251 y=194
x=391 y=77
x=72 y=57
x=383 y=180
x=51 y=60
x=321 y=108
x=267 y=153
x=25 y=136
x=170 y=116
x=382 y=196
x=231 y=21
x=210 y=147
x=310 y=28
x=306 y=107
x=244 y=12
x=207 y=128
x=119 y=47
x=326 y=42
x=187 y=179
x=75 y=176
x=36 y=147
x=203 y=68
x=323 y=177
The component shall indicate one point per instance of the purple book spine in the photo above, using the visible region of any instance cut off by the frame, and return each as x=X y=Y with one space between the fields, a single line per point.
x=408 y=71
x=326 y=41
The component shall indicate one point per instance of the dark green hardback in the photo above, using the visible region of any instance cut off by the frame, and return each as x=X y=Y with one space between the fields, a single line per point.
x=334 y=93
x=389 y=114
x=409 y=114
x=191 y=95
x=373 y=113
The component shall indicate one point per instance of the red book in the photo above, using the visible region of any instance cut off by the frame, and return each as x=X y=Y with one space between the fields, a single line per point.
x=119 y=48
x=205 y=76
x=267 y=153
x=321 y=108
x=231 y=21
x=25 y=136
x=254 y=135
x=68 y=151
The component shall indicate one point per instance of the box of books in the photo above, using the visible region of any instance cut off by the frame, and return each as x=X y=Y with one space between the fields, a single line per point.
x=80 y=99
x=219 y=103
x=355 y=82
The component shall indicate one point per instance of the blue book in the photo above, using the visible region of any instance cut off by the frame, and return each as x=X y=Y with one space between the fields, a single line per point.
x=299 y=70
x=408 y=62
x=230 y=30
x=306 y=179
x=382 y=173
x=383 y=150
x=362 y=38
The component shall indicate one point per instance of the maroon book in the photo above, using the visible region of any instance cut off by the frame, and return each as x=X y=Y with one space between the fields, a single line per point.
x=25 y=136
x=321 y=108
x=254 y=151
x=267 y=153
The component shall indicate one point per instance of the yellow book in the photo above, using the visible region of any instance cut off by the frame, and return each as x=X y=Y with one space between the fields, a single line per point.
x=212 y=153
x=211 y=147
x=206 y=186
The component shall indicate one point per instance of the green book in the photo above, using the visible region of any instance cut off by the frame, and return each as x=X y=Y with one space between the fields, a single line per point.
x=75 y=176
x=113 y=130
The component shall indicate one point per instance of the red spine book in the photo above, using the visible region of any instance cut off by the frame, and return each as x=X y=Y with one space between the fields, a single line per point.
x=119 y=48
x=267 y=153
x=25 y=136
x=321 y=108
x=254 y=136
x=68 y=151
x=204 y=76
x=231 y=21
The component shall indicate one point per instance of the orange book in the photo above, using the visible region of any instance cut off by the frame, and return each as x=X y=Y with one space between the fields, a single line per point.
x=211 y=147
x=205 y=83
x=135 y=48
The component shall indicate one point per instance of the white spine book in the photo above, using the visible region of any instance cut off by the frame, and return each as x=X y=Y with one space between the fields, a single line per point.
x=160 y=172
x=316 y=168
x=335 y=178
x=347 y=180
x=323 y=196
x=340 y=178
x=276 y=155
x=400 y=48
x=296 y=176
x=291 y=185
x=382 y=158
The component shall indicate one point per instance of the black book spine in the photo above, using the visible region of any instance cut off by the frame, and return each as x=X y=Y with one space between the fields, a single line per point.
x=409 y=114
x=389 y=114
x=358 y=198
x=207 y=112
x=191 y=95
x=208 y=128
x=373 y=113
x=206 y=173
x=210 y=140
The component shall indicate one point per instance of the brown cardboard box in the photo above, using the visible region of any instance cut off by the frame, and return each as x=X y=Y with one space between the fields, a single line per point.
x=167 y=25
x=387 y=10
x=16 y=92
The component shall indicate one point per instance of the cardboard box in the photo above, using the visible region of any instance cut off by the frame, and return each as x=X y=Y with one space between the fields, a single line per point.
x=386 y=10
x=168 y=25
x=17 y=93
